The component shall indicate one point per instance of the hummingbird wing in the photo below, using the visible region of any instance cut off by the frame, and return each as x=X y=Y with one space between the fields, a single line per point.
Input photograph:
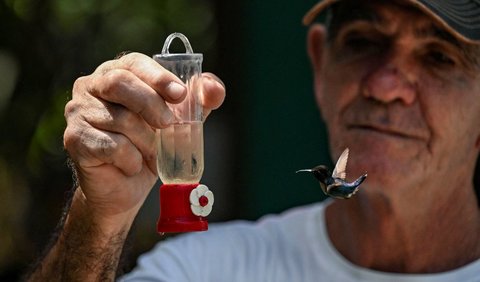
x=341 y=166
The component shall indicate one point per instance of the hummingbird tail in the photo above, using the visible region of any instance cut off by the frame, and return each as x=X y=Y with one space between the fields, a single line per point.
x=360 y=180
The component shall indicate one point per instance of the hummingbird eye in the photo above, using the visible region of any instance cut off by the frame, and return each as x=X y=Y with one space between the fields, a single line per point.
x=321 y=172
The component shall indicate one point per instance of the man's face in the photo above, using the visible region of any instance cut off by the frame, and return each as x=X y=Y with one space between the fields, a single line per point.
x=402 y=95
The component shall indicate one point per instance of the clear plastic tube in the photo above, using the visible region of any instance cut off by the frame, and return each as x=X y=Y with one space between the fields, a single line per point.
x=180 y=146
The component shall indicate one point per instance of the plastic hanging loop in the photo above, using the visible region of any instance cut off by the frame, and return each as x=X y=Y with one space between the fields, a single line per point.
x=188 y=67
x=171 y=37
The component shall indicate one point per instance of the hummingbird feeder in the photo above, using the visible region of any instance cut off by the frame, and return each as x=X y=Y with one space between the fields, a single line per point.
x=184 y=203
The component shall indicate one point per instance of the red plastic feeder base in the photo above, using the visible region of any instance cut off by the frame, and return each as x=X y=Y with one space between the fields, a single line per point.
x=175 y=212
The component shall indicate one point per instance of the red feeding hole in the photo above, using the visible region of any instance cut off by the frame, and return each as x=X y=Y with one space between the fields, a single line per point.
x=203 y=200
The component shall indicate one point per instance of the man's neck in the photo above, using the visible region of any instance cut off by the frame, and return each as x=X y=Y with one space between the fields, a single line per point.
x=407 y=235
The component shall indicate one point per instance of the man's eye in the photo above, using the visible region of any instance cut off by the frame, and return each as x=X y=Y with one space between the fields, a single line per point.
x=439 y=58
x=362 y=43
x=358 y=42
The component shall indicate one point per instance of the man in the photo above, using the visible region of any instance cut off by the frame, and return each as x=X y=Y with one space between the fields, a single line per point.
x=397 y=82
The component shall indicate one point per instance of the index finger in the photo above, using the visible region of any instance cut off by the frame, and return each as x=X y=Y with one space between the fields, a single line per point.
x=166 y=84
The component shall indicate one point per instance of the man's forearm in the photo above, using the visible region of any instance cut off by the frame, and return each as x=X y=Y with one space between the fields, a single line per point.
x=86 y=249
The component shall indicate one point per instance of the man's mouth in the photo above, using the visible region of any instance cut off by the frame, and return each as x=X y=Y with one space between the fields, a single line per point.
x=392 y=120
x=389 y=131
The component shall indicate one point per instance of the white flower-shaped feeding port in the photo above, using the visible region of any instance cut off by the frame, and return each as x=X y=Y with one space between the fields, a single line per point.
x=201 y=200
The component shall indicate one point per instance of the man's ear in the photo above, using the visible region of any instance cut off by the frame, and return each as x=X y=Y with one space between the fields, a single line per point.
x=316 y=43
x=316 y=40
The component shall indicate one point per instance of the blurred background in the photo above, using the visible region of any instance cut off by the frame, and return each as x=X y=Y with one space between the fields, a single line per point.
x=268 y=128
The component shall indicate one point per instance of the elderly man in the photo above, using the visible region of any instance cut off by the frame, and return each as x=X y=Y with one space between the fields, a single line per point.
x=397 y=82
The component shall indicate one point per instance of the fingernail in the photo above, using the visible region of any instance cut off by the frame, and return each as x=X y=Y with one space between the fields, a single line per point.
x=213 y=79
x=167 y=118
x=175 y=90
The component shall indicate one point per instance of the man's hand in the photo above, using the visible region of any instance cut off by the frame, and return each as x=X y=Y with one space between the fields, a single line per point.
x=110 y=136
x=111 y=123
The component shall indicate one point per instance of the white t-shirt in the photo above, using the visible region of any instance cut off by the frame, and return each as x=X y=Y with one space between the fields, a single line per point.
x=293 y=246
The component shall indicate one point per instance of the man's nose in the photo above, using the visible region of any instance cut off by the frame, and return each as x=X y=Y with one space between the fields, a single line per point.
x=388 y=84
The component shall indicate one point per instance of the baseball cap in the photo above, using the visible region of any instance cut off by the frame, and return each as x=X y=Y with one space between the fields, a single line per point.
x=461 y=18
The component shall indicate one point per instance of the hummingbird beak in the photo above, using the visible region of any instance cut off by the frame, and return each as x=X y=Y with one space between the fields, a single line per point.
x=303 y=170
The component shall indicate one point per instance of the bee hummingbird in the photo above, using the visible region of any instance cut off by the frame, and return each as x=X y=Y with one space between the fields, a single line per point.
x=335 y=184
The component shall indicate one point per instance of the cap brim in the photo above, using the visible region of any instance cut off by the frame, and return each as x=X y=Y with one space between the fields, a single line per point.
x=316 y=10
x=321 y=6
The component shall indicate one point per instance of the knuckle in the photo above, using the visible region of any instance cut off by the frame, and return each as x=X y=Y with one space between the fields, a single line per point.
x=71 y=109
x=79 y=85
x=71 y=138
x=114 y=81
x=105 y=66
x=130 y=59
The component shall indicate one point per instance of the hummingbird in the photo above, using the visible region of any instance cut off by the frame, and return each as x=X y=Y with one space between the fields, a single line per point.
x=335 y=184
